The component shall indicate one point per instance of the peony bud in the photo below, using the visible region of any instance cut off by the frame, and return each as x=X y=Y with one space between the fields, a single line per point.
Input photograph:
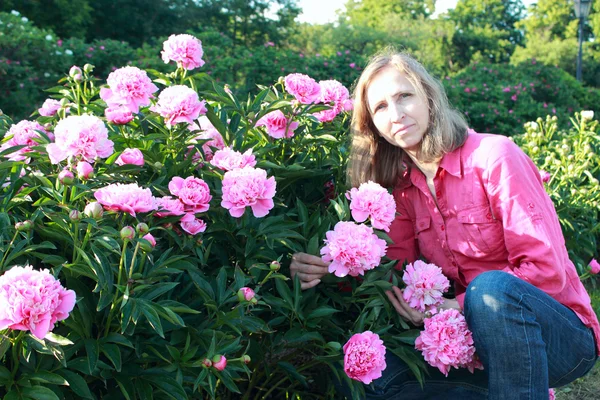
x=545 y=176
x=595 y=266
x=142 y=228
x=84 y=170
x=88 y=68
x=94 y=210
x=127 y=233
x=275 y=266
x=24 y=226
x=74 y=216
x=151 y=239
x=587 y=115
x=219 y=362
x=245 y=294
x=246 y=359
x=206 y=363
x=66 y=177
x=75 y=73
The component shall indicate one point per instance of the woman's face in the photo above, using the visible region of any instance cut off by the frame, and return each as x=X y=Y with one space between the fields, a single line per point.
x=399 y=114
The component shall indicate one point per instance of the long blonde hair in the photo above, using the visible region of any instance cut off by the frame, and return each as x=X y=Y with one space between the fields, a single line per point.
x=371 y=156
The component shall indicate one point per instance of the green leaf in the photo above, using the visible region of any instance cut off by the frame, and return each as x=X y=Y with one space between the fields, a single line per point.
x=5 y=375
x=53 y=337
x=77 y=384
x=291 y=370
x=39 y=393
x=169 y=386
x=113 y=353
x=48 y=377
x=322 y=312
x=227 y=381
x=284 y=291
x=153 y=318
x=92 y=350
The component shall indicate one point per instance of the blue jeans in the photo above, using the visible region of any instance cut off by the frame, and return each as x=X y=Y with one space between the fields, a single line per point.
x=527 y=341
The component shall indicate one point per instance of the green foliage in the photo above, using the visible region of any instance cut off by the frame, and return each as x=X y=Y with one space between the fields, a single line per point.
x=570 y=156
x=500 y=98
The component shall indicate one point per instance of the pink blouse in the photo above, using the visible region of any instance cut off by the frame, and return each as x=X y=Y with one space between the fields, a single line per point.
x=492 y=214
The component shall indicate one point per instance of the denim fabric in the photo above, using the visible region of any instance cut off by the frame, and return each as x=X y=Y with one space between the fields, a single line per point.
x=527 y=341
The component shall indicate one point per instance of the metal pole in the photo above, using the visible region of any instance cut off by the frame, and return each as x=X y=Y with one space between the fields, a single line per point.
x=580 y=49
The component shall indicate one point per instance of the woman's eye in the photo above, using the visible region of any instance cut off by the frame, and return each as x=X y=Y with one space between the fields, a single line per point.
x=379 y=107
x=404 y=95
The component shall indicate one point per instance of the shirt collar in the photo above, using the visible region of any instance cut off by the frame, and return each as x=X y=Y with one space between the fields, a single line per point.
x=452 y=163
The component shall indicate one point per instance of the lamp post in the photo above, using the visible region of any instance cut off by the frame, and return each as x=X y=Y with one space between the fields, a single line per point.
x=582 y=11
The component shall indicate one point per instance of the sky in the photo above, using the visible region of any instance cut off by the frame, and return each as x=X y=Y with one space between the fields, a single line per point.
x=323 y=11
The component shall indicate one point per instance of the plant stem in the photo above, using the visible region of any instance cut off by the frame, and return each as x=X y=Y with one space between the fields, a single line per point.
x=133 y=260
x=6 y=252
x=114 y=302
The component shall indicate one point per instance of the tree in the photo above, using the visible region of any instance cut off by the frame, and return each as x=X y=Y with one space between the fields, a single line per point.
x=373 y=13
x=485 y=29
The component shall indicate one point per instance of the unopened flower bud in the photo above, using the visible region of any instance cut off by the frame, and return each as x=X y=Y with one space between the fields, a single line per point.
x=275 y=266
x=66 y=177
x=219 y=362
x=75 y=73
x=151 y=240
x=158 y=165
x=24 y=226
x=245 y=294
x=246 y=359
x=587 y=115
x=88 y=68
x=74 y=215
x=94 y=210
x=206 y=363
x=127 y=233
x=142 y=228
x=84 y=170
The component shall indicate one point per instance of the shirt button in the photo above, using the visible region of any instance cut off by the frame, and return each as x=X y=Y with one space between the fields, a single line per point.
x=489 y=215
x=438 y=193
x=454 y=263
x=531 y=205
x=443 y=228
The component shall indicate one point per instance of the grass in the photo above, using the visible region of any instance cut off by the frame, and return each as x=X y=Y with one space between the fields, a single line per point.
x=586 y=388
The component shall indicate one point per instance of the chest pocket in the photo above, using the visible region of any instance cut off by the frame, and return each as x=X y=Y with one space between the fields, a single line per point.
x=483 y=232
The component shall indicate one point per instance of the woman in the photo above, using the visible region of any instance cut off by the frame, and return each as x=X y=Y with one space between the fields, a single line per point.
x=474 y=205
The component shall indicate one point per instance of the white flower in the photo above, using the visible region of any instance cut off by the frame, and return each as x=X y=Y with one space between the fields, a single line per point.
x=47 y=74
x=24 y=19
x=48 y=37
x=69 y=52
x=587 y=114
x=15 y=12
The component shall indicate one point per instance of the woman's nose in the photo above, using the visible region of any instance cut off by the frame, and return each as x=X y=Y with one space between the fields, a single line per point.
x=396 y=113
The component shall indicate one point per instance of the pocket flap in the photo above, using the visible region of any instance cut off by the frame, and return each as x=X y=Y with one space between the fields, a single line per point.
x=422 y=223
x=476 y=215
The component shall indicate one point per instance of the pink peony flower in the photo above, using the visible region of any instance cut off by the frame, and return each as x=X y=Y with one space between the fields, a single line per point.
x=334 y=94
x=129 y=198
x=352 y=249
x=22 y=134
x=193 y=193
x=185 y=50
x=248 y=186
x=49 y=108
x=364 y=357
x=228 y=159
x=447 y=342
x=304 y=88
x=118 y=115
x=551 y=394
x=193 y=226
x=179 y=104
x=215 y=140
x=80 y=136
x=33 y=300
x=372 y=200
x=595 y=266
x=129 y=87
x=131 y=156
x=545 y=176
x=150 y=238
x=246 y=294
x=84 y=170
x=425 y=284
x=277 y=125
x=219 y=362
x=168 y=206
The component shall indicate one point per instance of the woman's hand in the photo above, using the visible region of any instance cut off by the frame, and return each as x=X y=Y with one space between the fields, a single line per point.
x=410 y=314
x=310 y=269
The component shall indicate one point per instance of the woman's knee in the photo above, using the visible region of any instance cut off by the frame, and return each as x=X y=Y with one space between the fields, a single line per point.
x=488 y=294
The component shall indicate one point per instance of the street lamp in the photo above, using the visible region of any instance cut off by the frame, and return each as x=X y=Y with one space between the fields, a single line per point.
x=582 y=11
